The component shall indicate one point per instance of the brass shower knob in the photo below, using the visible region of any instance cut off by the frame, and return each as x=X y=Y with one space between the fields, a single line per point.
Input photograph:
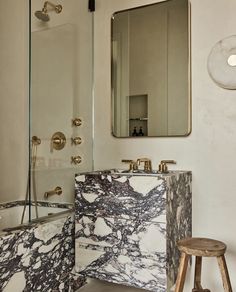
x=76 y=141
x=76 y=122
x=76 y=159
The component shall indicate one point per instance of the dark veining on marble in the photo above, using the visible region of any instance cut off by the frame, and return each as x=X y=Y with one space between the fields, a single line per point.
x=39 y=204
x=118 y=199
x=179 y=218
x=126 y=216
x=47 y=263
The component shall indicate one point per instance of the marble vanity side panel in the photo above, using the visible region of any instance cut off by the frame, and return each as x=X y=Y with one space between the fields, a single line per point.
x=179 y=218
x=39 y=258
x=142 y=198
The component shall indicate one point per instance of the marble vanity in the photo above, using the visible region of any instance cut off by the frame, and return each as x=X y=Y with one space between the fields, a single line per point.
x=127 y=226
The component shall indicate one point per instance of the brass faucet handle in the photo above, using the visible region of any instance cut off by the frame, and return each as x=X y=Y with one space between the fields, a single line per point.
x=76 y=160
x=132 y=164
x=76 y=140
x=168 y=161
x=163 y=168
x=127 y=160
x=147 y=164
x=76 y=122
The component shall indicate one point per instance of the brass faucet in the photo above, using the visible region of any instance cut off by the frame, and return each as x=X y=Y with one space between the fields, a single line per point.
x=57 y=191
x=147 y=164
x=163 y=168
x=133 y=166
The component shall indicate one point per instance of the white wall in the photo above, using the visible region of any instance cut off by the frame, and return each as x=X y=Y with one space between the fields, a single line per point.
x=210 y=149
x=14 y=97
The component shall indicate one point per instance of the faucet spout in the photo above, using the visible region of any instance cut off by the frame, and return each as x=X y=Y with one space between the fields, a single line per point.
x=57 y=191
x=147 y=164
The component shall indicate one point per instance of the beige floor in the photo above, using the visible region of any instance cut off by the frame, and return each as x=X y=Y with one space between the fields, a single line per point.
x=100 y=286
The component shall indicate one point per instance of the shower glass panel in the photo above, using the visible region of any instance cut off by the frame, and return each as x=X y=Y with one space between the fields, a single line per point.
x=60 y=103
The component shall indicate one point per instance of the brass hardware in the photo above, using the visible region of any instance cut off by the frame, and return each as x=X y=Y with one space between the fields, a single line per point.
x=132 y=164
x=76 y=122
x=58 y=141
x=57 y=8
x=57 y=191
x=36 y=141
x=76 y=159
x=147 y=164
x=76 y=141
x=163 y=168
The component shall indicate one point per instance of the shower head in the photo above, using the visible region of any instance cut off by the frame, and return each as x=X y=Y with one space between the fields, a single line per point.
x=43 y=14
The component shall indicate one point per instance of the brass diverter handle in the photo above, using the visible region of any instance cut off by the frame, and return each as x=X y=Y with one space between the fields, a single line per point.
x=147 y=164
x=76 y=141
x=163 y=168
x=76 y=159
x=57 y=191
x=76 y=122
x=133 y=166
x=58 y=141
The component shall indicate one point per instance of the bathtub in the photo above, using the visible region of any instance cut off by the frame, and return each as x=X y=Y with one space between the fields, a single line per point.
x=11 y=212
x=38 y=256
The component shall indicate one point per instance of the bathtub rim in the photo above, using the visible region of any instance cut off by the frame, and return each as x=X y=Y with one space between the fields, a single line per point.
x=36 y=222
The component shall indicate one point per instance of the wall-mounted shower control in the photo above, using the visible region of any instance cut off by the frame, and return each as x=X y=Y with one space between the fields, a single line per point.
x=57 y=191
x=36 y=140
x=76 y=122
x=76 y=160
x=76 y=140
x=58 y=141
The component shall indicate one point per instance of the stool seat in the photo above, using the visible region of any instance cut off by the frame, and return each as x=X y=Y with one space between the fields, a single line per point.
x=202 y=247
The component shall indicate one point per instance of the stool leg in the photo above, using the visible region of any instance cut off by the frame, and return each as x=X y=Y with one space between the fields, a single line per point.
x=182 y=272
x=197 y=275
x=224 y=273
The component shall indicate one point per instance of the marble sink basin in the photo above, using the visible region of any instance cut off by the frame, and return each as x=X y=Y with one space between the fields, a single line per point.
x=115 y=171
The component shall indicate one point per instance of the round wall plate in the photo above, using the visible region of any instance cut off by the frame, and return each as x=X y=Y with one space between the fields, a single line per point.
x=58 y=141
x=221 y=63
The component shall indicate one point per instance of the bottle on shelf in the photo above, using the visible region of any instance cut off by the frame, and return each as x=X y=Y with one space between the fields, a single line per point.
x=135 y=133
x=140 y=133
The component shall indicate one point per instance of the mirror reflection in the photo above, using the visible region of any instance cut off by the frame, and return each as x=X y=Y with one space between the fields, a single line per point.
x=150 y=70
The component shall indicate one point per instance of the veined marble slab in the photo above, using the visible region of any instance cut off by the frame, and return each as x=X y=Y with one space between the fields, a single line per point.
x=40 y=258
x=127 y=227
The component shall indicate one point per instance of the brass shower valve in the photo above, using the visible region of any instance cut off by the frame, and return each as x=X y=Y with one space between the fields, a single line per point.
x=76 y=140
x=76 y=122
x=76 y=159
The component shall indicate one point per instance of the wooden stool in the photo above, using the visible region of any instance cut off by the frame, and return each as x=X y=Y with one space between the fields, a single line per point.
x=201 y=247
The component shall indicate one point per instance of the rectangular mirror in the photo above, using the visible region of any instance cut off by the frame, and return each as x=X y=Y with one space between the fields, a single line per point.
x=150 y=63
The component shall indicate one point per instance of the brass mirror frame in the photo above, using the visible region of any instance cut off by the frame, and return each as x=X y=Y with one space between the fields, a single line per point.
x=189 y=130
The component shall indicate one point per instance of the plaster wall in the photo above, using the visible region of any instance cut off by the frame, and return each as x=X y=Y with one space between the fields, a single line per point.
x=210 y=149
x=14 y=96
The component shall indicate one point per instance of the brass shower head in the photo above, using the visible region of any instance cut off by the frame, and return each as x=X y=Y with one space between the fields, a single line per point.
x=43 y=14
